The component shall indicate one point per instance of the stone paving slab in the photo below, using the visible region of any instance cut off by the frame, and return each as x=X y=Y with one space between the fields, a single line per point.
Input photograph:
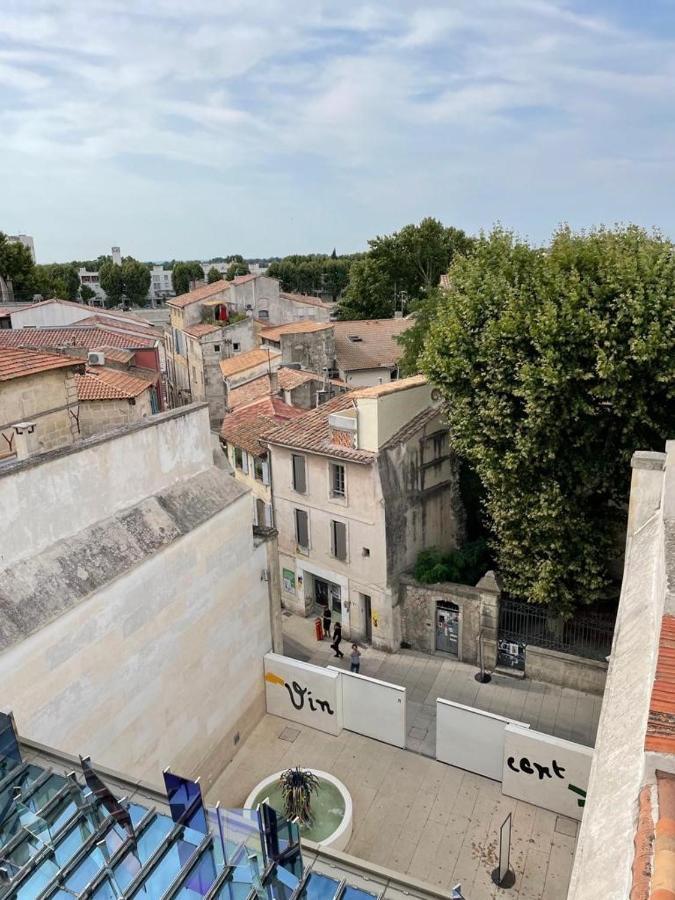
x=415 y=815
x=562 y=712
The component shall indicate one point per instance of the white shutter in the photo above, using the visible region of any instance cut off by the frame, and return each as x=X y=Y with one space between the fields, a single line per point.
x=265 y=472
x=268 y=516
x=244 y=462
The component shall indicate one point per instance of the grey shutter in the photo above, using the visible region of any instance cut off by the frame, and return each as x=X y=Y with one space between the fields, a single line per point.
x=339 y=540
x=299 y=480
x=244 y=462
x=268 y=516
x=265 y=472
x=301 y=528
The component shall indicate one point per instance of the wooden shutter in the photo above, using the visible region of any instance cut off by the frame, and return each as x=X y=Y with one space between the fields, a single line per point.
x=301 y=528
x=339 y=540
x=299 y=480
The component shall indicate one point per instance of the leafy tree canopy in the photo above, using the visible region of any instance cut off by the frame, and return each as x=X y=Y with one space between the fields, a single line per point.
x=315 y=273
x=185 y=272
x=16 y=265
x=213 y=275
x=401 y=269
x=136 y=281
x=58 y=280
x=236 y=268
x=87 y=293
x=557 y=364
x=112 y=282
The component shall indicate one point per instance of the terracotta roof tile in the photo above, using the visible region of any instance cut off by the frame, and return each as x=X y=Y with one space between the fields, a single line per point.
x=99 y=383
x=246 y=426
x=391 y=387
x=242 y=279
x=644 y=843
x=115 y=354
x=119 y=323
x=250 y=391
x=89 y=337
x=274 y=333
x=312 y=432
x=200 y=293
x=289 y=379
x=201 y=329
x=663 y=867
x=249 y=360
x=660 y=735
x=20 y=362
x=376 y=345
x=306 y=299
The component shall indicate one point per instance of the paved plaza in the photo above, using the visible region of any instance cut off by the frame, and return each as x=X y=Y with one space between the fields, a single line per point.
x=415 y=815
x=562 y=712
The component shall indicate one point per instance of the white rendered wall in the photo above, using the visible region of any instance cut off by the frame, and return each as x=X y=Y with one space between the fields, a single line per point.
x=543 y=770
x=47 y=500
x=374 y=708
x=470 y=738
x=303 y=693
x=163 y=667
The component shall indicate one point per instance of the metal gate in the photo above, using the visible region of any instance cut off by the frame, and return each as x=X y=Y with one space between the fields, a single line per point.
x=447 y=627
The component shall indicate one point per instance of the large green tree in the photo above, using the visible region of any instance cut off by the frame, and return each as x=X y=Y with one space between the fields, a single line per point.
x=401 y=269
x=235 y=268
x=112 y=282
x=136 y=281
x=185 y=272
x=58 y=280
x=313 y=273
x=213 y=275
x=16 y=265
x=556 y=365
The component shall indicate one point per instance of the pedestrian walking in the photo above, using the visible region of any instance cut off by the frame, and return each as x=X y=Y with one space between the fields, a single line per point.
x=337 y=637
x=327 y=616
x=355 y=659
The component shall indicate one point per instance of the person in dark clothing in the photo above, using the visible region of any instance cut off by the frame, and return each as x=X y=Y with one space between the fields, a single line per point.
x=327 y=615
x=337 y=637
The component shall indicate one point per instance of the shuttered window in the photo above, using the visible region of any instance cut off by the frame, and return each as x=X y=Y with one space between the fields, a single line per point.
x=302 y=529
x=338 y=539
x=299 y=479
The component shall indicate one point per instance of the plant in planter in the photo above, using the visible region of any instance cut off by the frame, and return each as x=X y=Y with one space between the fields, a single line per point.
x=297 y=787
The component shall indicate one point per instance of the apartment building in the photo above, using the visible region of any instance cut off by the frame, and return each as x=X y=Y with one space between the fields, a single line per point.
x=361 y=485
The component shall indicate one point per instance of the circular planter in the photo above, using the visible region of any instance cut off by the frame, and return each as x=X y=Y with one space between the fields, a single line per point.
x=337 y=839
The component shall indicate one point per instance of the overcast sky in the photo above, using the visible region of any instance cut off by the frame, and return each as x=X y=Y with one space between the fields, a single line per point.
x=269 y=127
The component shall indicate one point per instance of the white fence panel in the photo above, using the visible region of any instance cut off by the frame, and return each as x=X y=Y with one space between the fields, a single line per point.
x=303 y=693
x=471 y=738
x=546 y=771
x=374 y=708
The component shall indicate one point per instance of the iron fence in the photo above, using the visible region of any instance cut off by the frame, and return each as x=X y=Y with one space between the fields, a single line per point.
x=521 y=624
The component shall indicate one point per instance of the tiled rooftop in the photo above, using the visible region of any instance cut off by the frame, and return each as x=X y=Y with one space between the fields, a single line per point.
x=200 y=293
x=307 y=299
x=249 y=360
x=202 y=329
x=660 y=735
x=312 y=432
x=289 y=379
x=20 y=362
x=391 y=387
x=99 y=383
x=274 y=333
x=375 y=346
x=246 y=426
x=89 y=337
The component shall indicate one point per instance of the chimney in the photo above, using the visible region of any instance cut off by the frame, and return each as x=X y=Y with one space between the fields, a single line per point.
x=25 y=439
x=342 y=429
x=274 y=382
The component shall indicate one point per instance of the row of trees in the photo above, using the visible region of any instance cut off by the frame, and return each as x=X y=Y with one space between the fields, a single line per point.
x=314 y=273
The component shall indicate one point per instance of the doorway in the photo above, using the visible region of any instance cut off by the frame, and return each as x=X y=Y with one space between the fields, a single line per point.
x=366 y=609
x=447 y=628
x=328 y=594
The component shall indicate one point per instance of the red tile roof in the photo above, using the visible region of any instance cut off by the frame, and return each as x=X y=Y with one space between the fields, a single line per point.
x=249 y=360
x=376 y=343
x=200 y=293
x=293 y=378
x=312 y=432
x=202 y=329
x=122 y=322
x=274 y=333
x=99 y=383
x=19 y=362
x=306 y=299
x=117 y=355
x=391 y=387
x=89 y=337
x=242 y=279
x=660 y=735
x=250 y=391
x=246 y=426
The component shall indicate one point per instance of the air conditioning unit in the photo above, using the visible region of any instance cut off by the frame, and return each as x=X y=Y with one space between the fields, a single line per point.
x=96 y=358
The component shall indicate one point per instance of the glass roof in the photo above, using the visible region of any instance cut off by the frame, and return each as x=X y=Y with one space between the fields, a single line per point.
x=65 y=834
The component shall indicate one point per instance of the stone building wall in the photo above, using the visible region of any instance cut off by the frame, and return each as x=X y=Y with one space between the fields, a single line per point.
x=314 y=350
x=49 y=399
x=95 y=416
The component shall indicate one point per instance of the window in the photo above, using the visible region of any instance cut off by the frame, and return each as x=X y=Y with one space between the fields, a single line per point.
x=299 y=479
x=216 y=348
x=337 y=480
x=258 y=468
x=338 y=539
x=366 y=551
x=263 y=314
x=235 y=347
x=238 y=458
x=302 y=529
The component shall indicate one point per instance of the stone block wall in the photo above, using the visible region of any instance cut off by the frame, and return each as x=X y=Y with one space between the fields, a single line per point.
x=49 y=399
x=96 y=416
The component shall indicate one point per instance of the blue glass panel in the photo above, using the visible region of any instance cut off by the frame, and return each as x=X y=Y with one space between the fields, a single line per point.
x=319 y=887
x=185 y=800
x=352 y=893
x=165 y=871
x=233 y=890
x=200 y=879
x=10 y=754
x=38 y=881
x=92 y=863
x=72 y=841
x=104 y=891
x=46 y=791
x=147 y=842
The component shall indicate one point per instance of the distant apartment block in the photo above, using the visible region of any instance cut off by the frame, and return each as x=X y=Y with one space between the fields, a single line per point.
x=360 y=485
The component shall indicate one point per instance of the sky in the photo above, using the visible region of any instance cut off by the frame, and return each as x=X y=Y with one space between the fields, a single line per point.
x=200 y=129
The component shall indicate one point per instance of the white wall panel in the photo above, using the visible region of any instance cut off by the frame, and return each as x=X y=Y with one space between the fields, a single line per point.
x=374 y=708
x=303 y=693
x=546 y=771
x=470 y=738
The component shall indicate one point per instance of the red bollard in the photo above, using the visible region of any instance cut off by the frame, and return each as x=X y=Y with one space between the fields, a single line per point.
x=318 y=629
